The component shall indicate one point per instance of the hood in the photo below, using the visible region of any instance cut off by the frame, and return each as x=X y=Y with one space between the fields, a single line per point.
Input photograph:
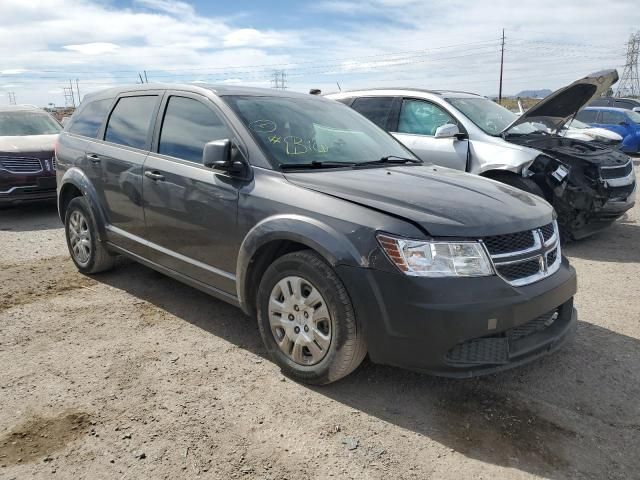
x=28 y=143
x=442 y=201
x=556 y=109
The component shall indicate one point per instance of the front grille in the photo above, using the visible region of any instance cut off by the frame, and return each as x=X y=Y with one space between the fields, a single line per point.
x=21 y=165
x=494 y=349
x=547 y=231
x=616 y=172
x=515 y=271
x=500 y=244
x=525 y=257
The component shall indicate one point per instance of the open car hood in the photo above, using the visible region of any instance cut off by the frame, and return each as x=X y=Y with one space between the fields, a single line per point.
x=556 y=109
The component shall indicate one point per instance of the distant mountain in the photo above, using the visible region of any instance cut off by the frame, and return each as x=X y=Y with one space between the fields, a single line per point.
x=534 y=93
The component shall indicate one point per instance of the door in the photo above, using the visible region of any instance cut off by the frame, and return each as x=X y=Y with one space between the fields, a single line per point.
x=417 y=123
x=190 y=210
x=118 y=160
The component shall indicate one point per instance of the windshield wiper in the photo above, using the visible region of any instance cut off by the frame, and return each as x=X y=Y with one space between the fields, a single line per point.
x=315 y=164
x=390 y=159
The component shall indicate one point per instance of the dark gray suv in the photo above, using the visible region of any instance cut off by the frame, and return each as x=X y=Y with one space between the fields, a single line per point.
x=317 y=222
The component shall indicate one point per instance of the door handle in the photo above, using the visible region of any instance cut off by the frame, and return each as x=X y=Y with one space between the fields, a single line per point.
x=93 y=157
x=155 y=176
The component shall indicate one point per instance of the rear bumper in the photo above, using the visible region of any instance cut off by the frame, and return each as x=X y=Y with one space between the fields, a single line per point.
x=436 y=325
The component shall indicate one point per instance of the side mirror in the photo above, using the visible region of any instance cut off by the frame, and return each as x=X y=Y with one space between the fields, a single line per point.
x=624 y=123
x=222 y=155
x=636 y=109
x=448 y=130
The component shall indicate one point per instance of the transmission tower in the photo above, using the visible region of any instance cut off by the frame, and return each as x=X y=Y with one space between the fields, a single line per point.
x=629 y=85
x=69 y=97
x=279 y=80
x=12 y=98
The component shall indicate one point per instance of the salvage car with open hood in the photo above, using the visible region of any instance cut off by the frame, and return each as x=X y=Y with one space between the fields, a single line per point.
x=590 y=184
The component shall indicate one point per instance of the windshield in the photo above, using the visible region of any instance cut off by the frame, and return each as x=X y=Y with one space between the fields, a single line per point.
x=27 y=123
x=298 y=131
x=493 y=118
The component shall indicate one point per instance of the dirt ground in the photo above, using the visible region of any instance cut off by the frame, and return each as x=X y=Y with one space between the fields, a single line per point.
x=130 y=374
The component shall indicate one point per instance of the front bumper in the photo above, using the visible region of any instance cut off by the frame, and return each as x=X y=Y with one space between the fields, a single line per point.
x=20 y=188
x=421 y=324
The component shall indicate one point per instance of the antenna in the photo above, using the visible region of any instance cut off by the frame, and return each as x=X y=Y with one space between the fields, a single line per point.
x=629 y=85
x=501 y=68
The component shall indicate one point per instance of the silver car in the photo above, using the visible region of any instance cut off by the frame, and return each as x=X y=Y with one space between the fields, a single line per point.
x=589 y=184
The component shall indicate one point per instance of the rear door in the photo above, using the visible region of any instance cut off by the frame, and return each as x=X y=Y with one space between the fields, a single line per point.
x=190 y=210
x=117 y=161
x=416 y=126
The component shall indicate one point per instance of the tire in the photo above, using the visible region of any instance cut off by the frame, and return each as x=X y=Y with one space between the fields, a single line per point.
x=331 y=315
x=88 y=253
x=519 y=182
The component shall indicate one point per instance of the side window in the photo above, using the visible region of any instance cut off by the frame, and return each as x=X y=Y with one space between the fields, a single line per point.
x=187 y=126
x=130 y=121
x=90 y=118
x=587 y=116
x=422 y=118
x=612 y=118
x=376 y=109
x=600 y=102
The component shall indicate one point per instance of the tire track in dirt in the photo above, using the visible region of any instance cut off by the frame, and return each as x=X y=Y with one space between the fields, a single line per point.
x=52 y=276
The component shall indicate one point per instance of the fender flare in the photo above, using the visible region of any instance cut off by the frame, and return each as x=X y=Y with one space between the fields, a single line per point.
x=333 y=246
x=76 y=177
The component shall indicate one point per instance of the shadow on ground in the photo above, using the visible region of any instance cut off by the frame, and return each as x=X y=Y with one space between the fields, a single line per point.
x=550 y=418
x=618 y=243
x=30 y=217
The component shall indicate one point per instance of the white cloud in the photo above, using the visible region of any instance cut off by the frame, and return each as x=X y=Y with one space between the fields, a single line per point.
x=250 y=37
x=13 y=71
x=95 y=48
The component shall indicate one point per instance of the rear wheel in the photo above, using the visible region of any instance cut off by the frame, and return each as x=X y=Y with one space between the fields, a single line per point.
x=87 y=251
x=307 y=321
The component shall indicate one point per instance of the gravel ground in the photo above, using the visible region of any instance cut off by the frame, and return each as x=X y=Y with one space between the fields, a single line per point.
x=130 y=374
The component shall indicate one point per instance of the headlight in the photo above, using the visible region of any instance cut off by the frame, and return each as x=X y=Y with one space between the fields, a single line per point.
x=420 y=258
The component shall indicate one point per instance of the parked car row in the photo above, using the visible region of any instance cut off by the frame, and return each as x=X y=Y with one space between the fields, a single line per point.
x=435 y=248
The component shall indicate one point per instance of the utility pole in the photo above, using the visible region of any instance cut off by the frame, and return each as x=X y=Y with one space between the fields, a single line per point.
x=140 y=75
x=73 y=96
x=145 y=77
x=78 y=91
x=629 y=85
x=501 y=68
x=12 y=98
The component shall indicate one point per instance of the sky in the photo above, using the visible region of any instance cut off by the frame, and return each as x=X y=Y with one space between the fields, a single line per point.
x=326 y=44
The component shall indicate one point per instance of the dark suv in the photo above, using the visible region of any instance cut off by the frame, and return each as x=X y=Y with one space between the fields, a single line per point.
x=320 y=224
x=27 y=163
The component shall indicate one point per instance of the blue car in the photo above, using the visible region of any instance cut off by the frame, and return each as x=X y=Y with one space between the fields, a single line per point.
x=624 y=122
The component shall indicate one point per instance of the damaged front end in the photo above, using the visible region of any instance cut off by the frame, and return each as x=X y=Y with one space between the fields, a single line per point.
x=590 y=185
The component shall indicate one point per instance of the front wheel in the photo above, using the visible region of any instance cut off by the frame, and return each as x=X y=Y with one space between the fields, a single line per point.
x=307 y=321
x=519 y=182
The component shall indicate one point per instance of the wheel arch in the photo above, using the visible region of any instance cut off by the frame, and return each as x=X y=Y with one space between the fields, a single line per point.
x=75 y=183
x=282 y=234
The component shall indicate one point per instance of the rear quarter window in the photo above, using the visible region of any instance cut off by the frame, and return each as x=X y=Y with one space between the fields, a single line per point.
x=88 y=120
x=376 y=109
